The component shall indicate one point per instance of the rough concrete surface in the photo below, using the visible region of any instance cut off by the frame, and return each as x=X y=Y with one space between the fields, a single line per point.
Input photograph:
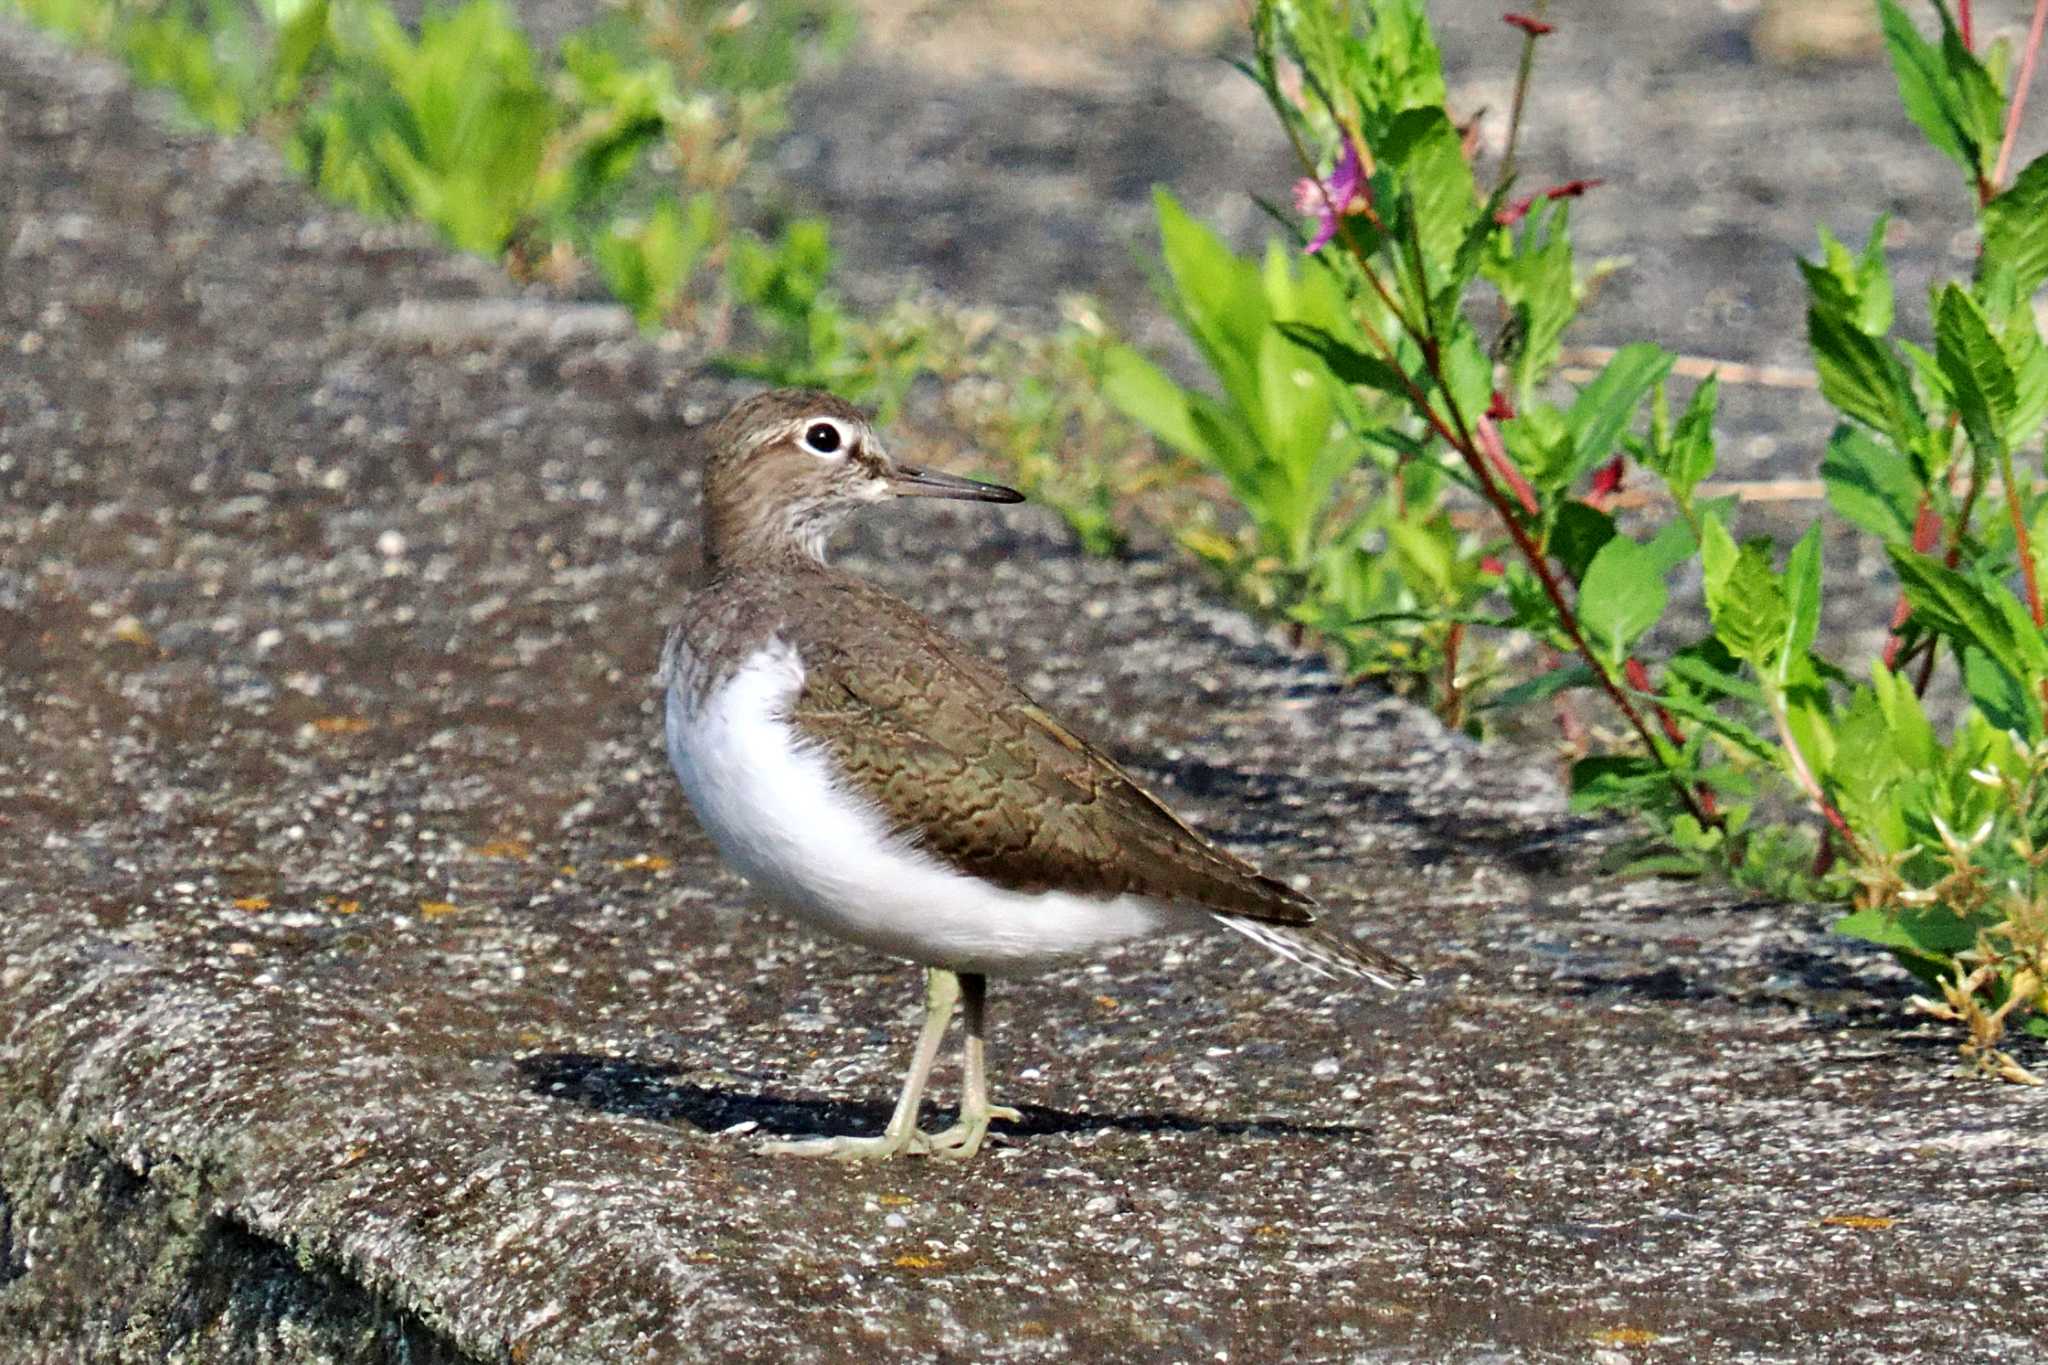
x=367 y=994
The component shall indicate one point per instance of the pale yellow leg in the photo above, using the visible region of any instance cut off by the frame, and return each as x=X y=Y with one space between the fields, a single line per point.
x=964 y=1138
x=942 y=993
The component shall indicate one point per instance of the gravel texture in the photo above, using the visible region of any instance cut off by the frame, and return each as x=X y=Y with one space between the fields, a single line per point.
x=366 y=992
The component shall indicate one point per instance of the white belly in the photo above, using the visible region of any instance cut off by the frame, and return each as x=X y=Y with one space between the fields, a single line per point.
x=780 y=817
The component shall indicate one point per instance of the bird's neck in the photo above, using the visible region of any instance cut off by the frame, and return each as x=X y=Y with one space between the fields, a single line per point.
x=753 y=533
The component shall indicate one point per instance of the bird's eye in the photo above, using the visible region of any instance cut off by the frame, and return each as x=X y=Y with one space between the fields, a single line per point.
x=824 y=438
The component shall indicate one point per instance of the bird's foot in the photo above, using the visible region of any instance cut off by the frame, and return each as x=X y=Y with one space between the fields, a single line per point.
x=964 y=1138
x=910 y=1142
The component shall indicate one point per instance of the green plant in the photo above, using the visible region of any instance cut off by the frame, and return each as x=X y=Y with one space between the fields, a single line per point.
x=1350 y=536
x=451 y=125
x=630 y=155
x=1427 y=325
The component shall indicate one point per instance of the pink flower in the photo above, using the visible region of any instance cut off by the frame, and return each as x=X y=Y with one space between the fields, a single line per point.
x=1346 y=191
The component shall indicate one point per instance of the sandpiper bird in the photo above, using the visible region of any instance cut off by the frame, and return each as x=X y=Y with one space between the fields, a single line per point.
x=867 y=772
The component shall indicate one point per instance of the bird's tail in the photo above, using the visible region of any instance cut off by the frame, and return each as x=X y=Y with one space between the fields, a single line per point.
x=1322 y=952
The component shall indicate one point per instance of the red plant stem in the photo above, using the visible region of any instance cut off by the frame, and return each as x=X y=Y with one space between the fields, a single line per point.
x=1461 y=440
x=1639 y=678
x=1823 y=857
x=1926 y=527
x=1454 y=701
x=1468 y=447
x=2024 y=545
x=1554 y=590
x=1490 y=442
x=2019 y=93
x=1963 y=23
x=1802 y=776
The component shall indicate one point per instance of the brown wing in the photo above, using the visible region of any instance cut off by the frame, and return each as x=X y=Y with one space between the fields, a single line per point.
x=980 y=776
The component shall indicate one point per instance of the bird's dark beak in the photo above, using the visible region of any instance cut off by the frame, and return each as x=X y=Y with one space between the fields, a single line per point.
x=909 y=481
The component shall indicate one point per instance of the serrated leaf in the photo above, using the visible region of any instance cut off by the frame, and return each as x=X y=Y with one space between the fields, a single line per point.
x=1922 y=81
x=1945 y=89
x=1745 y=599
x=1802 y=601
x=1978 y=373
x=1468 y=373
x=1863 y=379
x=2029 y=358
x=1621 y=597
x=2016 y=228
x=1870 y=485
x=1424 y=150
x=1533 y=271
x=1960 y=609
x=1856 y=287
x=1691 y=454
x=1402 y=56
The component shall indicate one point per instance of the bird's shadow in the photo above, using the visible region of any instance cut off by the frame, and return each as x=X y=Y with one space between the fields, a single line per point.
x=650 y=1090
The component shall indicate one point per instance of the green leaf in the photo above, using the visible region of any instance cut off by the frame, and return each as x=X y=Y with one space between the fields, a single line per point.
x=1982 y=618
x=1802 y=600
x=1604 y=408
x=1424 y=151
x=1468 y=373
x=1624 y=781
x=1346 y=361
x=1542 y=687
x=1945 y=89
x=1690 y=456
x=2016 y=228
x=1533 y=271
x=1219 y=299
x=1863 y=379
x=1856 y=288
x=1732 y=732
x=1922 y=83
x=1400 y=57
x=1673 y=544
x=1712 y=671
x=1870 y=485
x=1744 y=597
x=1936 y=933
x=1978 y=373
x=2029 y=360
x=1144 y=393
x=1999 y=694
x=1622 y=596
x=647 y=264
x=1577 y=535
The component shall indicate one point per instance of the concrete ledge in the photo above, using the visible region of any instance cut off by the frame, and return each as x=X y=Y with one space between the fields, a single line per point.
x=366 y=993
